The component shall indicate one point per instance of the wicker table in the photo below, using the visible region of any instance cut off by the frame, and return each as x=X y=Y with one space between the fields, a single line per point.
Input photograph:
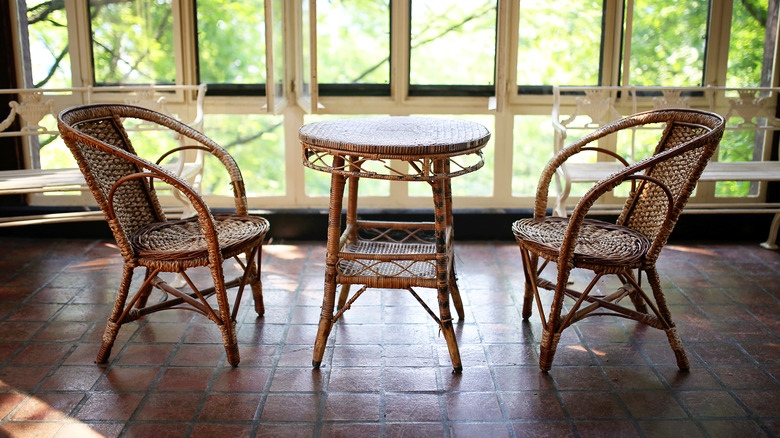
x=382 y=254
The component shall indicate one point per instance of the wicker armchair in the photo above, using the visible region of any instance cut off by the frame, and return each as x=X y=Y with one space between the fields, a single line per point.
x=661 y=186
x=122 y=184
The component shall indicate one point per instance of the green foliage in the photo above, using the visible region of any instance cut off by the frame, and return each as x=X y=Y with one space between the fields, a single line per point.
x=746 y=44
x=48 y=33
x=342 y=23
x=559 y=42
x=256 y=142
x=225 y=54
x=668 y=43
x=453 y=43
x=133 y=42
x=533 y=146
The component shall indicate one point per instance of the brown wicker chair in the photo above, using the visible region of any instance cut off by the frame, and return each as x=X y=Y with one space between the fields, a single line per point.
x=122 y=184
x=661 y=186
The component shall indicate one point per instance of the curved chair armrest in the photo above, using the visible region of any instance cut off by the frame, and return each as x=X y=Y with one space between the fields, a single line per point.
x=566 y=252
x=557 y=164
x=202 y=210
x=211 y=146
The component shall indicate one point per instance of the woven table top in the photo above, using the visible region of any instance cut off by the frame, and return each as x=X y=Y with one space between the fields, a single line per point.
x=394 y=137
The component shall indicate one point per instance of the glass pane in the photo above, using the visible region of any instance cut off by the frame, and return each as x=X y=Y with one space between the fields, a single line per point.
x=668 y=42
x=560 y=42
x=453 y=43
x=48 y=37
x=132 y=42
x=340 y=24
x=256 y=142
x=751 y=46
x=53 y=153
x=226 y=55
x=318 y=183
x=533 y=148
x=739 y=145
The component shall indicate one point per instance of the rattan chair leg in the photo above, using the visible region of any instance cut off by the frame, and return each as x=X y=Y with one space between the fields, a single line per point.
x=113 y=325
x=634 y=295
x=145 y=292
x=257 y=284
x=677 y=348
x=547 y=349
x=529 y=269
x=671 y=332
x=230 y=340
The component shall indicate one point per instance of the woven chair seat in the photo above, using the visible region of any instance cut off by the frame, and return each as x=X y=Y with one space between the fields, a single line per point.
x=183 y=239
x=598 y=243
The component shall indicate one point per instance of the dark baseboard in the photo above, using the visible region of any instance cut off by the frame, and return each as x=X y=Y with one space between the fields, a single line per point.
x=311 y=225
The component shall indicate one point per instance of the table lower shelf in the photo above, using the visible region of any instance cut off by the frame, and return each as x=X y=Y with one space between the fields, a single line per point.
x=388 y=260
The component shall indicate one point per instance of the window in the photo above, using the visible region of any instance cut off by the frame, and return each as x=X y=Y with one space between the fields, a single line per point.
x=666 y=43
x=272 y=65
x=228 y=60
x=47 y=30
x=452 y=47
x=353 y=47
x=559 y=42
x=132 y=42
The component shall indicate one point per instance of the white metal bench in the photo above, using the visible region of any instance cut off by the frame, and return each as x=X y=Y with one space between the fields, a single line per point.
x=586 y=108
x=32 y=105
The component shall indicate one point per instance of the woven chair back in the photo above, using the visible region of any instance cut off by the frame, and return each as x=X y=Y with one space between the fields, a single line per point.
x=688 y=141
x=104 y=153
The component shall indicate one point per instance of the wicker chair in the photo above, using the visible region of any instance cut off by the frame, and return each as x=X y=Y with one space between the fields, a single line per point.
x=122 y=184
x=661 y=186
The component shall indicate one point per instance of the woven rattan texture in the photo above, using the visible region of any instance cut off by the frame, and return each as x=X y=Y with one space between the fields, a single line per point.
x=598 y=242
x=649 y=213
x=184 y=239
x=131 y=203
x=396 y=135
x=422 y=266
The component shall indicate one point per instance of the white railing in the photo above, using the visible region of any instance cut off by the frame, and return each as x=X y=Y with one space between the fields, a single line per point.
x=586 y=108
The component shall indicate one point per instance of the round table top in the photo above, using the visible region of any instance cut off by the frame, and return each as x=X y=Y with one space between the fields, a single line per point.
x=396 y=137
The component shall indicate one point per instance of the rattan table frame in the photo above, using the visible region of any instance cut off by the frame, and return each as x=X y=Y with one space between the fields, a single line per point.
x=391 y=254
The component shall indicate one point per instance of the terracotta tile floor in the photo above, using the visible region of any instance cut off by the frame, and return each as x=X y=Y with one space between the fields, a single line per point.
x=387 y=371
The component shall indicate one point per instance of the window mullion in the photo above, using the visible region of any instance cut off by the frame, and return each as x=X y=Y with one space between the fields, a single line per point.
x=400 y=39
x=79 y=43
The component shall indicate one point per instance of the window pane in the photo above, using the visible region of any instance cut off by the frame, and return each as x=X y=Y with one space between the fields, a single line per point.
x=560 y=42
x=533 y=148
x=453 y=43
x=353 y=42
x=132 y=42
x=256 y=142
x=751 y=50
x=668 y=43
x=48 y=38
x=226 y=55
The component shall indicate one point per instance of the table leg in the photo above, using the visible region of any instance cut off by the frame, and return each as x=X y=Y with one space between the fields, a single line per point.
x=351 y=225
x=334 y=235
x=454 y=291
x=443 y=217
